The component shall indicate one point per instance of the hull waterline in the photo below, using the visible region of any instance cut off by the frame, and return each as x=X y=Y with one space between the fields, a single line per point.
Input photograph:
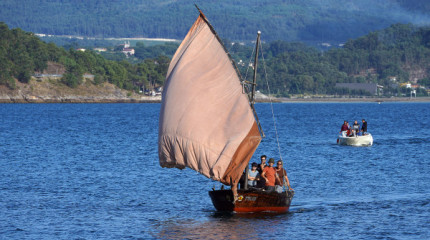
x=252 y=200
x=366 y=140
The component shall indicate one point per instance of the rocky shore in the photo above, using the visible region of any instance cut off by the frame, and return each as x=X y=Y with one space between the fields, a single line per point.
x=350 y=100
x=263 y=98
x=51 y=91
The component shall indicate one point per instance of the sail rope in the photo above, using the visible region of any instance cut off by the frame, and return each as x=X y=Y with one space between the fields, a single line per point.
x=271 y=101
x=249 y=63
x=268 y=89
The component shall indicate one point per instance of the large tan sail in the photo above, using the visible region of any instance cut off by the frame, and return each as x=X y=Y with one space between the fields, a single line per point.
x=205 y=122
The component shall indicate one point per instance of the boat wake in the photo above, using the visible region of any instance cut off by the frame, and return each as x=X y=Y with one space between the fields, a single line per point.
x=387 y=201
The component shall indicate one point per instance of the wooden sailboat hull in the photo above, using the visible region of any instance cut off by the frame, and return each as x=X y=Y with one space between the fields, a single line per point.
x=251 y=200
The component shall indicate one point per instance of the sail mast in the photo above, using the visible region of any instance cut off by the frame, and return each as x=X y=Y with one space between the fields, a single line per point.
x=254 y=81
x=252 y=98
x=254 y=84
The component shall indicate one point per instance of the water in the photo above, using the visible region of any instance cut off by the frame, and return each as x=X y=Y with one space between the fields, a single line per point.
x=90 y=171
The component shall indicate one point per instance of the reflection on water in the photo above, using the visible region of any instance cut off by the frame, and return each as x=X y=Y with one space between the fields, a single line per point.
x=222 y=225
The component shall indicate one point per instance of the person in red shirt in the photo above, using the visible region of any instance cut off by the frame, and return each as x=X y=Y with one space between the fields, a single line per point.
x=269 y=174
x=344 y=129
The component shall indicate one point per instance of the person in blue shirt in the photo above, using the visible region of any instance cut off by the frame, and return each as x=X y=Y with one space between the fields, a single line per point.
x=253 y=175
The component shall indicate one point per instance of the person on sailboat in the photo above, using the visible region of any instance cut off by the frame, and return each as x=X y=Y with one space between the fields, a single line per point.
x=282 y=176
x=355 y=128
x=262 y=182
x=263 y=164
x=253 y=175
x=269 y=174
x=364 y=127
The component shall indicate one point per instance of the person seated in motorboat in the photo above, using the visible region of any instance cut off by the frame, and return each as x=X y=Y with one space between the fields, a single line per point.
x=253 y=175
x=364 y=127
x=344 y=129
x=356 y=128
x=350 y=132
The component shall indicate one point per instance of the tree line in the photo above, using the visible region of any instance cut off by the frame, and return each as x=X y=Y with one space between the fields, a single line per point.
x=289 y=20
x=397 y=52
x=22 y=54
x=379 y=57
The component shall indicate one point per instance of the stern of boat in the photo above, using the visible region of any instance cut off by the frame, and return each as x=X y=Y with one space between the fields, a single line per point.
x=253 y=200
x=358 y=141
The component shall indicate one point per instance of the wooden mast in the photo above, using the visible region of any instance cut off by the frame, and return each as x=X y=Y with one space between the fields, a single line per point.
x=254 y=84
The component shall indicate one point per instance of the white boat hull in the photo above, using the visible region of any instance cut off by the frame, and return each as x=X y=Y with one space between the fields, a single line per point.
x=366 y=140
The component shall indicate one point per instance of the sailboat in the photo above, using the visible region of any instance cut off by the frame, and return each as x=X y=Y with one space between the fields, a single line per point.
x=208 y=122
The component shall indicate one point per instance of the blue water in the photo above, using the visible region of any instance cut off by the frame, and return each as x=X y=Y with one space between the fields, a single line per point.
x=90 y=171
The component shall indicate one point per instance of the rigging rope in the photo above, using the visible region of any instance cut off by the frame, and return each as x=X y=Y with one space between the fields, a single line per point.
x=268 y=89
x=249 y=63
x=271 y=102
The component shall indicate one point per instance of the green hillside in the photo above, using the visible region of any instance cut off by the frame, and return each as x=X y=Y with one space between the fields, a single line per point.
x=22 y=54
x=390 y=57
x=313 y=21
x=398 y=54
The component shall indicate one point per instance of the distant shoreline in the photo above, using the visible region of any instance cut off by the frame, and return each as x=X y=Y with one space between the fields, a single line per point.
x=47 y=90
x=350 y=100
x=265 y=100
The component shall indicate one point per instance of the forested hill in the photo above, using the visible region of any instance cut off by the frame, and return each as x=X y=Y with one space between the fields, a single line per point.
x=291 y=20
x=398 y=54
x=389 y=57
x=22 y=54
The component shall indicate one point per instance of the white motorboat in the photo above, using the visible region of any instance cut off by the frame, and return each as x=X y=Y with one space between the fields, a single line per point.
x=365 y=140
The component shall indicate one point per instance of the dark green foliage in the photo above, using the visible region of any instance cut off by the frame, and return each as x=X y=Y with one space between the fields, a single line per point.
x=71 y=80
x=22 y=54
x=295 y=68
x=292 y=68
x=142 y=52
x=424 y=82
x=98 y=79
x=288 y=20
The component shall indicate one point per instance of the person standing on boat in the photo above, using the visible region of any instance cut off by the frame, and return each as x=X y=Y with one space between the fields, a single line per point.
x=262 y=165
x=281 y=177
x=262 y=182
x=356 y=128
x=253 y=175
x=344 y=129
x=269 y=174
x=364 y=126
